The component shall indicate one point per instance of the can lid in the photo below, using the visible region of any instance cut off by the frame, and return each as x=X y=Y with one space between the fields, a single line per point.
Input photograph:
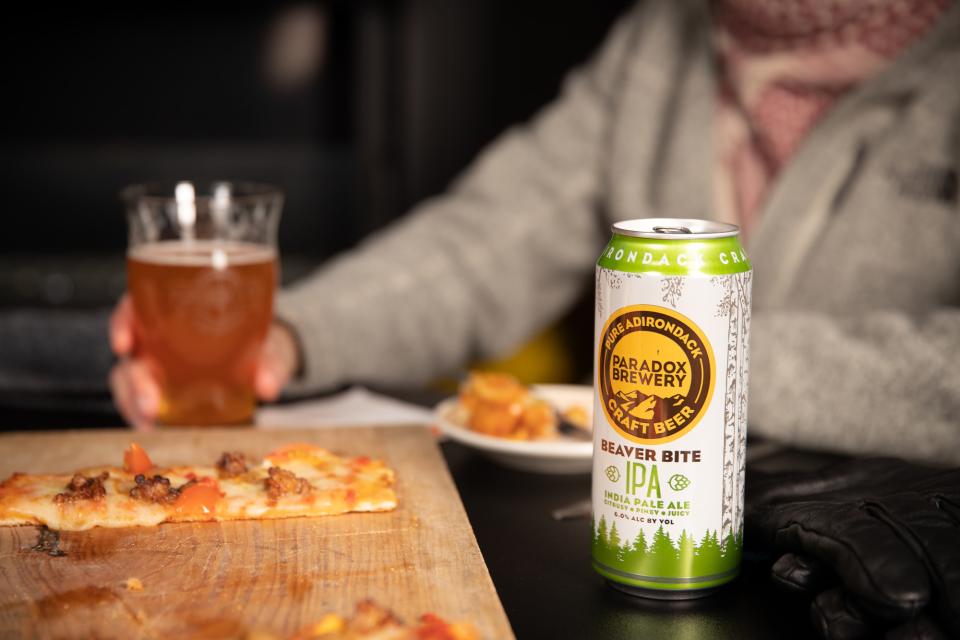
x=675 y=228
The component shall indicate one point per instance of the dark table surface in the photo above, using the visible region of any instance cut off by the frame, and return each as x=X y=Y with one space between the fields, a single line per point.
x=541 y=567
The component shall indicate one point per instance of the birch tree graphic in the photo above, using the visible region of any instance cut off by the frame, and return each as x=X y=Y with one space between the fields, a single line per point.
x=672 y=289
x=734 y=305
x=611 y=279
x=601 y=299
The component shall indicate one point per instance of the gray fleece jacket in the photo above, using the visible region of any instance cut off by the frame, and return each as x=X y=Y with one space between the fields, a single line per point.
x=856 y=323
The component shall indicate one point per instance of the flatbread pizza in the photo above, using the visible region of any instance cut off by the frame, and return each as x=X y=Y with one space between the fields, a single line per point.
x=295 y=480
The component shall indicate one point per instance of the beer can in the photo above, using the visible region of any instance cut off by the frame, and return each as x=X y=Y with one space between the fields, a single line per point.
x=670 y=406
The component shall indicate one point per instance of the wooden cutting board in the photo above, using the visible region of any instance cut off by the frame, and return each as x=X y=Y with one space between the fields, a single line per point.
x=213 y=580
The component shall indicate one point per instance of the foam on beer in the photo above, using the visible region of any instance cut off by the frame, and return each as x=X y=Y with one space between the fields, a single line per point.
x=201 y=253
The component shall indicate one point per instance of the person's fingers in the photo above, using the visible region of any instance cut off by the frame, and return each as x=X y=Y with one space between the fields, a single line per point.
x=121 y=327
x=267 y=384
x=794 y=572
x=123 y=395
x=276 y=364
x=868 y=557
x=272 y=375
x=146 y=389
x=135 y=394
x=835 y=617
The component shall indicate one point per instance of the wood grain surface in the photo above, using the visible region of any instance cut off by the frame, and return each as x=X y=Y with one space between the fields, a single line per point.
x=213 y=580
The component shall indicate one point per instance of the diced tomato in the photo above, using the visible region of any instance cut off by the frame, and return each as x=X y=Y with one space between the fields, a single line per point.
x=198 y=499
x=360 y=463
x=431 y=618
x=433 y=627
x=351 y=497
x=136 y=460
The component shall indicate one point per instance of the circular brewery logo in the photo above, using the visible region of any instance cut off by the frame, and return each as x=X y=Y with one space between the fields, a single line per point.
x=655 y=373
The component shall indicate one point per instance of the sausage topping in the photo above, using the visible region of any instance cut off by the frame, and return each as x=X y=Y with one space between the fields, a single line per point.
x=155 y=489
x=232 y=464
x=282 y=482
x=83 y=488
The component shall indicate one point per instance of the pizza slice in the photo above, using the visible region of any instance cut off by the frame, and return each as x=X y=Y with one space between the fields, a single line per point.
x=295 y=480
x=370 y=621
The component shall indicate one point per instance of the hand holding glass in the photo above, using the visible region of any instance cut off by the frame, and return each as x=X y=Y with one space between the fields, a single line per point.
x=202 y=272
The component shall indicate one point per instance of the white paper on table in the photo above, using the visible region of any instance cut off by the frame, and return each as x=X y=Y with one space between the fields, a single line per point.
x=354 y=407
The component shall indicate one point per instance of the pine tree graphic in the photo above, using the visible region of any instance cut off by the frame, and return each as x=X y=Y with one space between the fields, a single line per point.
x=661 y=557
x=633 y=554
x=614 y=540
x=707 y=554
x=685 y=553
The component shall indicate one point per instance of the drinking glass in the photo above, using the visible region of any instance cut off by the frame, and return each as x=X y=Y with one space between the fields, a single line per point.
x=202 y=271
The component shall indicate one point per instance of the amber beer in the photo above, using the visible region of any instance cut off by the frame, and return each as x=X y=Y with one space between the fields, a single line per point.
x=202 y=312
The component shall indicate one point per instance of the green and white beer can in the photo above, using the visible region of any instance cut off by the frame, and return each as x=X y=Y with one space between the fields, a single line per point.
x=670 y=406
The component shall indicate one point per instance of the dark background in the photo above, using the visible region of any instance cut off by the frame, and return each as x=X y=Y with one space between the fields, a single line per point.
x=394 y=101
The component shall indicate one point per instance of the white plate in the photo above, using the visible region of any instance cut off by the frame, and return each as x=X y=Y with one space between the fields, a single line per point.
x=561 y=455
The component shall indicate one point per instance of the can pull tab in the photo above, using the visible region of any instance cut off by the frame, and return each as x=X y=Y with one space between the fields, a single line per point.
x=672 y=230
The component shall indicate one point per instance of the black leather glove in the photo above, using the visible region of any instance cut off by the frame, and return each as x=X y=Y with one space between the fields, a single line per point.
x=877 y=539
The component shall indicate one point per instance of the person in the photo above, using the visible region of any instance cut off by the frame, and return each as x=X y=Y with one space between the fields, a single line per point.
x=830 y=132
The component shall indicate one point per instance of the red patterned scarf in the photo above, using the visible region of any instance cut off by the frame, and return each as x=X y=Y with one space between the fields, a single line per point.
x=784 y=63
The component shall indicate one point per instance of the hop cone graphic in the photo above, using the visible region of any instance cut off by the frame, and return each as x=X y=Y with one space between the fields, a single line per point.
x=678 y=482
x=613 y=474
